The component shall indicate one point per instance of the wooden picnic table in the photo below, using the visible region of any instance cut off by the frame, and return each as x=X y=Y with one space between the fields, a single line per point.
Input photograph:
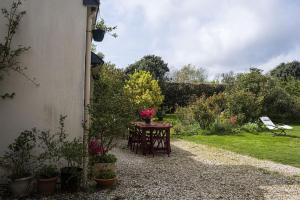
x=155 y=136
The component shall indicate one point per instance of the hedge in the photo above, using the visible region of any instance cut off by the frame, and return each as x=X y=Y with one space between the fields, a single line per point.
x=180 y=94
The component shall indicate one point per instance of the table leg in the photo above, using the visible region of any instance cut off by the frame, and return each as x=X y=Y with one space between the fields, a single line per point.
x=144 y=142
x=168 y=142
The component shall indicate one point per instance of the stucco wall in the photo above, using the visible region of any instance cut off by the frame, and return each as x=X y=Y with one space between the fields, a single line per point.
x=55 y=30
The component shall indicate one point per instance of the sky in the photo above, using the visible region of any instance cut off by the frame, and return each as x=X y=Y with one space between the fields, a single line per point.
x=218 y=35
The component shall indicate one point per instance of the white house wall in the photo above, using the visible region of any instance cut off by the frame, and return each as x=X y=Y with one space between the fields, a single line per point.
x=55 y=30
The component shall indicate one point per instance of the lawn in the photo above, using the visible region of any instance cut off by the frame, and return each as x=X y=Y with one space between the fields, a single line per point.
x=282 y=149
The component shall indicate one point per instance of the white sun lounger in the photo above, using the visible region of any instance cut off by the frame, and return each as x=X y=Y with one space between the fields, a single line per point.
x=275 y=129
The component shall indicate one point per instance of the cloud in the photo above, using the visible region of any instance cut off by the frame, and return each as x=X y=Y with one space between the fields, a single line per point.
x=220 y=35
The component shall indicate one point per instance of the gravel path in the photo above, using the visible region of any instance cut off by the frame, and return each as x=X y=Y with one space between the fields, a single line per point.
x=195 y=171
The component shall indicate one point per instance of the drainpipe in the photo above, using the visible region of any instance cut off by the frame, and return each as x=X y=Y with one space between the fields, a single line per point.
x=91 y=15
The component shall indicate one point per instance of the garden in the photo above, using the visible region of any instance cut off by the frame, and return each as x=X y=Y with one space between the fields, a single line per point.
x=231 y=119
x=221 y=145
x=224 y=114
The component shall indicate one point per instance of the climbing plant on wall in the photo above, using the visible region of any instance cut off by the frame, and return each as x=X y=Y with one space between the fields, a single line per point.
x=9 y=52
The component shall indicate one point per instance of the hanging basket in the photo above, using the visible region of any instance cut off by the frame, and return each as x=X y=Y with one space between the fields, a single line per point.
x=98 y=35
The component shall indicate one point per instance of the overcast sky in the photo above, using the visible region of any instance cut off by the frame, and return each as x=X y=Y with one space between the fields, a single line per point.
x=218 y=35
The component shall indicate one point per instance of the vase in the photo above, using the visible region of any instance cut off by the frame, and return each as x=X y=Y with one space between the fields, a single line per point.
x=147 y=120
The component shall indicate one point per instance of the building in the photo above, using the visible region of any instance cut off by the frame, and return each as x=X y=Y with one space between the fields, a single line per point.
x=59 y=34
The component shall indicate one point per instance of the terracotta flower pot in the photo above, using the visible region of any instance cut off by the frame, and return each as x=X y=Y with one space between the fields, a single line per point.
x=21 y=187
x=47 y=186
x=106 y=182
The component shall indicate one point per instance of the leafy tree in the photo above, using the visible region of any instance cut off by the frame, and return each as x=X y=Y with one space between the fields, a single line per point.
x=190 y=74
x=254 y=82
x=151 y=63
x=278 y=104
x=111 y=110
x=227 y=78
x=285 y=70
x=291 y=85
x=143 y=90
x=245 y=105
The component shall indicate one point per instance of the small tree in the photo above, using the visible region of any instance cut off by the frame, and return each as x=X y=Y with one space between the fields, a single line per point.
x=111 y=110
x=190 y=74
x=285 y=70
x=151 y=63
x=143 y=90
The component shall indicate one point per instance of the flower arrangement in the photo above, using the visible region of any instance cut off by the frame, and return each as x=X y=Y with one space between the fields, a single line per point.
x=147 y=113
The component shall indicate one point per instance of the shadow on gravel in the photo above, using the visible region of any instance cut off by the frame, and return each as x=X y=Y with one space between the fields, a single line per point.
x=181 y=176
x=186 y=178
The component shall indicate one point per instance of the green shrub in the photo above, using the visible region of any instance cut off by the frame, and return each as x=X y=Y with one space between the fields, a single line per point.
x=251 y=127
x=72 y=152
x=217 y=102
x=191 y=129
x=222 y=127
x=204 y=116
x=19 y=159
x=106 y=158
x=48 y=171
x=108 y=174
x=245 y=105
x=181 y=94
x=186 y=115
x=178 y=129
x=111 y=110
x=143 y=91
x=278 y=104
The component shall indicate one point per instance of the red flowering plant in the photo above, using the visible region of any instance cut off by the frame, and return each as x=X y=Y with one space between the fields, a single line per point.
x=233 y=120
x=147 y=113
x=96 y=148
x=99 y=153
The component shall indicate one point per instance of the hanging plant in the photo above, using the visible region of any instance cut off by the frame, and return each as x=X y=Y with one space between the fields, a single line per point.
x=101 y=29
x=98 y=35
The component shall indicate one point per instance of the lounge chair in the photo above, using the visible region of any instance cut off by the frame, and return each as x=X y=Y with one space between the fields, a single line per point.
x=275 y=129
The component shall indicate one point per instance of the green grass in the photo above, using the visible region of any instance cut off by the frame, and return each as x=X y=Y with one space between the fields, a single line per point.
x=263 y=145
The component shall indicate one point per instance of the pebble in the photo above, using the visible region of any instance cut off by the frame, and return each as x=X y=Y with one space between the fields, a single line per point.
x=196 y=171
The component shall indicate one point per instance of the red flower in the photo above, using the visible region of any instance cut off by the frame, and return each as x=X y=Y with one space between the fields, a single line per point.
x=233 y=120
x=96 y=148
x=147 y=113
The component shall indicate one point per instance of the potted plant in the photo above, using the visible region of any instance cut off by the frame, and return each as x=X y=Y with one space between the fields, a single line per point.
x=160 y=114
x=50 y=146
x=47 y=179
x=72 y=152
x=101 y=160
x=106 y=178
x=19 y=160
x=101 y=29
x=147 y=114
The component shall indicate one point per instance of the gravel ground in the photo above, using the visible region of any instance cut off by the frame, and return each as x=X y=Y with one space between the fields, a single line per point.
x=195 y=171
